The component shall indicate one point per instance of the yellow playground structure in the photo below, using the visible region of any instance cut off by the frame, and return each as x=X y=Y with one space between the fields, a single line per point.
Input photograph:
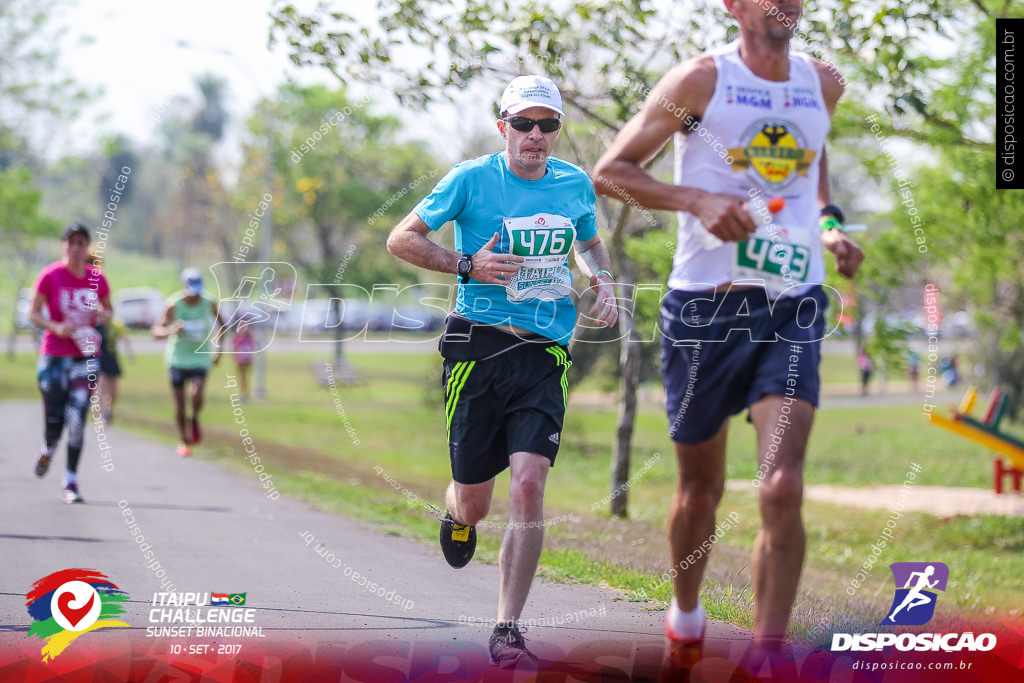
x=986 y=432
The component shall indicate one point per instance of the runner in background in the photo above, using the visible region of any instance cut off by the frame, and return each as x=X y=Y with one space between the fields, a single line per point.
x=189 y=320
x=867 y=368
x=243 y=348
x=77 y=298
x=111 y=334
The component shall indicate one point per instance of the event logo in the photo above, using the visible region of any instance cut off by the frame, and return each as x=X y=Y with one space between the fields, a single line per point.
x=68 y=603
x=259 y=294
x=774 y=152
x=914 y=603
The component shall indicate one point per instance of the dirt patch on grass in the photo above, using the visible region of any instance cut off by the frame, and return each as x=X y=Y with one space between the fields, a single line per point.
x=941 y=501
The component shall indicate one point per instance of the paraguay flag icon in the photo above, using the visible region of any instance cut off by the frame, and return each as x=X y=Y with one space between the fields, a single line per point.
x=917 y=584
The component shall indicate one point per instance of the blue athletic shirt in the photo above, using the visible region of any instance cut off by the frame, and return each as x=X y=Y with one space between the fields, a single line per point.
x=483 y=196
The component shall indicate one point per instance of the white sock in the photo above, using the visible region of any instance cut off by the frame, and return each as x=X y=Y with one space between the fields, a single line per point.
x=686 y=624
x=70 y=477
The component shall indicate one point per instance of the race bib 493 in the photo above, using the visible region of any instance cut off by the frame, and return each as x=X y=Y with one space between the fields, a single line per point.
x=780 y=260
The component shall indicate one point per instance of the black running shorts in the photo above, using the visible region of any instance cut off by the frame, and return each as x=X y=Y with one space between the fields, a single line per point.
x=179 y=376
x=508 y=403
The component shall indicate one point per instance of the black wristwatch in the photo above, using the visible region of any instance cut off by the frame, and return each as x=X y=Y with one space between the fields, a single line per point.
x=465 y=266
x=835 y=212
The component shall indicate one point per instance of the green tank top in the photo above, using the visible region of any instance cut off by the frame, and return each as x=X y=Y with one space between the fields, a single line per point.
x=181 y=351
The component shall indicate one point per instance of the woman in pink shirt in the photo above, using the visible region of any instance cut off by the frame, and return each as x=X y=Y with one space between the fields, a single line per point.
x=77 y=298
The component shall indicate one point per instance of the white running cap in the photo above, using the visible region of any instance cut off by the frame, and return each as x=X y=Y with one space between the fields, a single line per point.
x=193 y=280
x=531 y=91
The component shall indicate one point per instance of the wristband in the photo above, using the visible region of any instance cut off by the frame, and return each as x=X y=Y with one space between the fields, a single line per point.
x=610 y=276
x=833 y=210
x=831 y=223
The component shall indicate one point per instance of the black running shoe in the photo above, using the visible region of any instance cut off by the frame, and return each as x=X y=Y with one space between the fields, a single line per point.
x=458 y=541
x=42 y=465
x=508 y=648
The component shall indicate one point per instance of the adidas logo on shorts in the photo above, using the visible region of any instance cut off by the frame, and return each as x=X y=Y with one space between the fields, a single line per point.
x=553 y=438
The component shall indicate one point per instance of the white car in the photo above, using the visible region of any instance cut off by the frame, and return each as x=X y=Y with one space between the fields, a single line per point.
x=21 y=320
x=139 y=307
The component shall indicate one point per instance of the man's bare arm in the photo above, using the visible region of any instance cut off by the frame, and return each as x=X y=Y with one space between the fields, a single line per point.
x=592 y=257
x=848 y=255
x=164 y=328
x=409 y=242
x=677 y=102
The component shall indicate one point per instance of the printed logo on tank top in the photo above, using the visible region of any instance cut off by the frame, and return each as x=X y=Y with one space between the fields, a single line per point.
x=78 y=305
x=741 y=95
x=773 y=152
x=800 y=98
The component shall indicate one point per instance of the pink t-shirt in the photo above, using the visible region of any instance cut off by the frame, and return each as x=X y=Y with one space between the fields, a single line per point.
x=74 y=300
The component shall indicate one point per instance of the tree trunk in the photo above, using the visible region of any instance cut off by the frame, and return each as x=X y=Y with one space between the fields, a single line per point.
x=629 y=371
x=629 y=366
x=338 y=343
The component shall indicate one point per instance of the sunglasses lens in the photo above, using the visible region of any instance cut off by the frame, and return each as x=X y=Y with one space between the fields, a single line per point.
x=525 y=125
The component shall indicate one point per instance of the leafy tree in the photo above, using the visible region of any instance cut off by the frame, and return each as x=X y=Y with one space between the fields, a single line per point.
x=33 y=101
x=198 y=216
x=341 y=178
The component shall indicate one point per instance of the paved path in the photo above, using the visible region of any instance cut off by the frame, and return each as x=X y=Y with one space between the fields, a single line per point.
x=216 y=531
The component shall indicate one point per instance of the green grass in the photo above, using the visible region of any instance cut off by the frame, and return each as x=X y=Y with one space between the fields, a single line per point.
x=396 y=414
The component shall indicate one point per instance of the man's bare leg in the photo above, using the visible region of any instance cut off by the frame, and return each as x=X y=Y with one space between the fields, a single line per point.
x=469 y=503
x=179 y=413
x=691 y=518
x=779 y=549
x=521 y=547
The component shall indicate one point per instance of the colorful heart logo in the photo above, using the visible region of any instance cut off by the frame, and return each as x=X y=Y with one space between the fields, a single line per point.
x=70 y=613
x=76 y=605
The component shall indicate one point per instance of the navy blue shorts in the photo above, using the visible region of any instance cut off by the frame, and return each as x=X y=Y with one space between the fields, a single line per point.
x=723 y=351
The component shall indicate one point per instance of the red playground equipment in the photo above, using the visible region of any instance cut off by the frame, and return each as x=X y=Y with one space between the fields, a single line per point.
x=986 y=432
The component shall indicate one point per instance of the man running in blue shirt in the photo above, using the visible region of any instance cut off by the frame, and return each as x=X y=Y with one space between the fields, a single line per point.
x=518 y=213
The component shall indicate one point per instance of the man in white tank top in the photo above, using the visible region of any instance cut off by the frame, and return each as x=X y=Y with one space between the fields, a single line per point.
x=749 y=122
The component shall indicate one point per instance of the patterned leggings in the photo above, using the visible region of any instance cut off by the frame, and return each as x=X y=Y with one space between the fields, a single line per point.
x=64 y=383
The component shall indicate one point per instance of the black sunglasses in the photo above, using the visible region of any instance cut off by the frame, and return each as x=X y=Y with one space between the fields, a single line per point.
x=525 y=125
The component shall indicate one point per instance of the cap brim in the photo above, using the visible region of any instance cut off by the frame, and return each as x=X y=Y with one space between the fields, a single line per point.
x=523 y=106
x=194 y=289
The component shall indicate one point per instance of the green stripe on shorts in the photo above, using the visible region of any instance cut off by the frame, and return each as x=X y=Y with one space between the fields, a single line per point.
x=457 y=380
x=562 y=359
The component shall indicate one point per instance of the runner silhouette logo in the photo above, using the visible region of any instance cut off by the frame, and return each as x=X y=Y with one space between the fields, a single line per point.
x=917 y=584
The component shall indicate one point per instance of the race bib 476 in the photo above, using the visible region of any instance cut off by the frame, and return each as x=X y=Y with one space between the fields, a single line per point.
x=544 y=241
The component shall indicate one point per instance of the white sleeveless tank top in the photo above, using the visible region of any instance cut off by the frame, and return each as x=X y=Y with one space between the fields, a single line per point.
x=758 y=139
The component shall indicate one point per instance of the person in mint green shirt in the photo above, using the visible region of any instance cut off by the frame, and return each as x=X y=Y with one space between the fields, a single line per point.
x=189 y=320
